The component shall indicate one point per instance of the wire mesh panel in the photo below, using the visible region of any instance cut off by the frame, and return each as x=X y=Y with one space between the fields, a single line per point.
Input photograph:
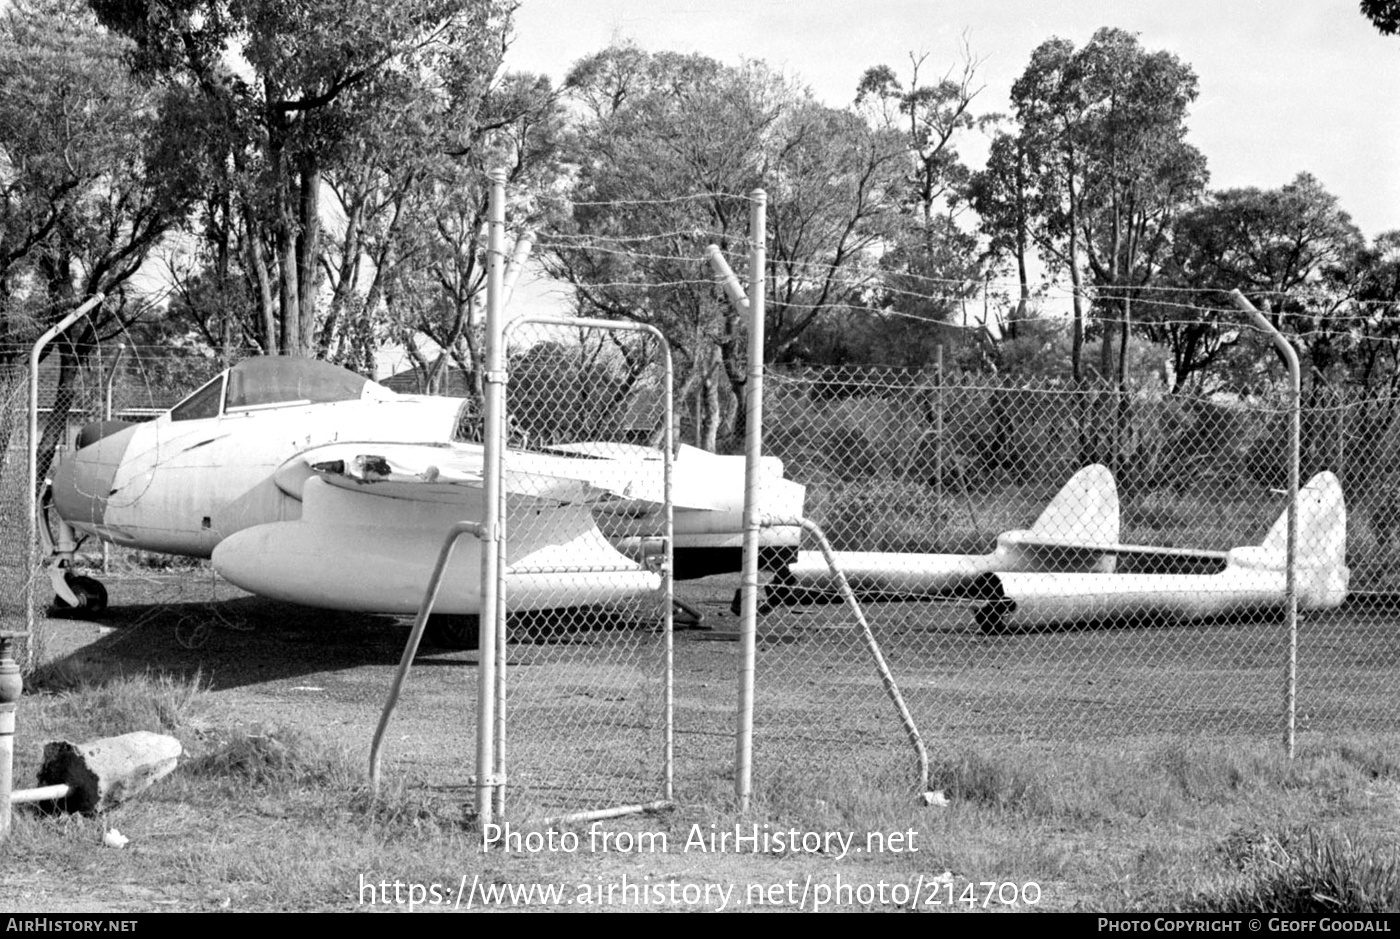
x=79 y=400
x=1347 y=657
x=15 y=560
x=586 y=591
x=66 y=400
x=1058 y=563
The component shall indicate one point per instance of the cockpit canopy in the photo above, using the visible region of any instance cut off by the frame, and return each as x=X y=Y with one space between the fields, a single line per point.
x=275 y=381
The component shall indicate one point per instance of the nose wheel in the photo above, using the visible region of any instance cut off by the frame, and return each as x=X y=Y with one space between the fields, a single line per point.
x=447 y=631
x=88 y=591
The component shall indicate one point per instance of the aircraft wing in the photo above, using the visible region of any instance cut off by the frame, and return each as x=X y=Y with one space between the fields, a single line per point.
x=441 y=472
x=1041 y=541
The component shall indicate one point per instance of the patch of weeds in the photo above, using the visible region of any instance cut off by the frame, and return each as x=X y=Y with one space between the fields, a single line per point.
x=1253 y=848
x=1325 y=874
x=786 y=793
x=404 y=808
x=884 y=515
x=154 y=561
x=1336 y=775
x=1204 y=776
x=997 y=783
x=278 y=758
x=88 y=701
x=1373 y=761
x=70 y=673
x=1157 y=512
x=871 y=799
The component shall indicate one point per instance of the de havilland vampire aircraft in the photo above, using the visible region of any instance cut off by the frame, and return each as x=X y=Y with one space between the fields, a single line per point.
x=305 y=482
x=1063 y=569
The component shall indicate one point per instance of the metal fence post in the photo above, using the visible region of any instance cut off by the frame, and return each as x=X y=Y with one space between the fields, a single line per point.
x=1295 y=379
x=493 y=407
x=753 y=449
x=11 y=687
x=32 y=545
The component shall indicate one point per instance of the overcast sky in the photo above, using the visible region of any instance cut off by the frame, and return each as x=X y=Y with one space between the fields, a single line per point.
x=1286 y=86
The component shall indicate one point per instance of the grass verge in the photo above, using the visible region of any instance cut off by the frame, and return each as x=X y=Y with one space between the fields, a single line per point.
x=268 y=817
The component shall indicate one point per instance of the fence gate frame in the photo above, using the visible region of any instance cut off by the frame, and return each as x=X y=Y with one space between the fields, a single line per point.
x=495 y=456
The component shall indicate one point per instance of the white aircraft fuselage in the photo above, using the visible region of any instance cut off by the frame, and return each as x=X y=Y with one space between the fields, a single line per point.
x=308 y=483
x=181 y=485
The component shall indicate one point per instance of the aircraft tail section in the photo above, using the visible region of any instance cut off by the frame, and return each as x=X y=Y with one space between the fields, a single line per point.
x=1072 y=532
x=1069 y=535
x=1323 y=577
x=1085 y=510
x=1322 y=523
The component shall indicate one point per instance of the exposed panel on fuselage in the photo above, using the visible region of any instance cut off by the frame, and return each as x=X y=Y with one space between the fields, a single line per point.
x=177 y=476
x=185 y=485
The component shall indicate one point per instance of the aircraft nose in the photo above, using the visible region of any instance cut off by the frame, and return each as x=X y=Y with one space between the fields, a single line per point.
x=83 y=481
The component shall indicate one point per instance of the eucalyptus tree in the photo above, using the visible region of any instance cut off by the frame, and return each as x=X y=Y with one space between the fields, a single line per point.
x=932 y=118
x=408 y=262
x=1143 y=172
x=1372 y=387
x=667 y=148
x=294 y=90
x=93 y=177
x=1104 y=136
x=1383 y=14
x=1376 y=292
x=931 y=259
x=89 y=182
x=1292 y=251
x=1002 y=195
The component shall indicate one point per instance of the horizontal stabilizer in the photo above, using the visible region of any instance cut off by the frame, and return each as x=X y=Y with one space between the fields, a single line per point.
x=1026 y=538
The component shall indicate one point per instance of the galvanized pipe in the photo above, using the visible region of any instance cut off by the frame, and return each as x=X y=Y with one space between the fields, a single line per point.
x=911 y=729
x=1295 y=377
x=518 y=257
x=32 y=498
x=107 y=415
x=753 y=450
x=493 y=423
x=11 y=688
x=41 y=794
x=617 y=811
x=509 y=277
x=415 y=636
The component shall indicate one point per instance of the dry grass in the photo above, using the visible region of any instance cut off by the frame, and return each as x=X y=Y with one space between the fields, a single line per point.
x=275 y=818
x=271 y=810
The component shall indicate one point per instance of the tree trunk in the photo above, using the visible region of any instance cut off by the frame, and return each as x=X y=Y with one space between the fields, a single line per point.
x=290 y=338
x=709 y=389
x=308 y=242
x=266 y=304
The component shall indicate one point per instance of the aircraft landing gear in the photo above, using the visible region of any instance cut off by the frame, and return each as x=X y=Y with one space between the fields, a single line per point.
x=990 y=619
x=75 y=592
x=447 y=631
x=91 y=596
x=766 y=603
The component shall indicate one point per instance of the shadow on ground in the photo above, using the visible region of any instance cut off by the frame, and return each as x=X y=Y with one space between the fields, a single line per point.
x=235 y=642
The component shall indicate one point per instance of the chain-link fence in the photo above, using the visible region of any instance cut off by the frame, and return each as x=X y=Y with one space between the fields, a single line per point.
x=587 y=664
x=117 y=383
x=899 y=467
x=16 y=565
x=1019 y=596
